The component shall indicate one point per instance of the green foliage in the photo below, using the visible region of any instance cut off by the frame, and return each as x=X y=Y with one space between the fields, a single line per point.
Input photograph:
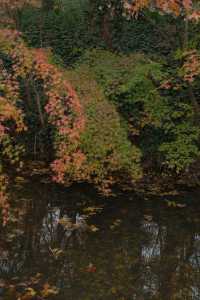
x=151 y=33
x=66 y=31
x=127 y=81
x=105 y=140
x=138 y=86
x=163 y=129
x=182 y=150
x=75 y=26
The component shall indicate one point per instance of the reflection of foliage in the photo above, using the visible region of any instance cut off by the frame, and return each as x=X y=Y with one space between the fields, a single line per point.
x=33 y=287
x=159 y=257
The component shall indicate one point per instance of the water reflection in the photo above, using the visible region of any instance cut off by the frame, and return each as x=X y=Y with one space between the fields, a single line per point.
x=141 y=251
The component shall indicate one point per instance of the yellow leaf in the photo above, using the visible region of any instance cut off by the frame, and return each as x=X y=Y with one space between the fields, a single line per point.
x=31 y=291
x=93 y=228
x=113 y=290
x=48 y=290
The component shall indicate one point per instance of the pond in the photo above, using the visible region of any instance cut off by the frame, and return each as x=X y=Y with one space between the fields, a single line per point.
x=128 y=248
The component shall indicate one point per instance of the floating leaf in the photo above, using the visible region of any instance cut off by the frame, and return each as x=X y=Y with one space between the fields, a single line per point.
x=92 y=210
x=56 y=252
x=115 y=224
x=113 y=290
x=49 y=290
x=93 y=228
x=91 y=268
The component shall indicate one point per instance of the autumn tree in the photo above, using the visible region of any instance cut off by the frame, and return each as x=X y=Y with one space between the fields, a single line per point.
x=54 y=98
x=10 y=10
x=98 y=135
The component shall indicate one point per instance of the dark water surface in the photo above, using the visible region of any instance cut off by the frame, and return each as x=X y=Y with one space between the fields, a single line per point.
x=133 y=249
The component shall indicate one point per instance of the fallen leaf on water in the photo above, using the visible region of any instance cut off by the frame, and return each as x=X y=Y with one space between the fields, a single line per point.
x=19 y=179
x=171 y=203
x=113 y=290
x=174 y=204
x=91 y=268
x=66 y=222
x=49 y=290
x=93 y=228
x=92 y=210
x=148 y=218
x=115 y=224
x=30 y=294
x=179 y=205
x=56 y=252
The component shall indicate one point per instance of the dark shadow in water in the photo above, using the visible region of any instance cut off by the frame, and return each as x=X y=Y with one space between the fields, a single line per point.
x=134 y=249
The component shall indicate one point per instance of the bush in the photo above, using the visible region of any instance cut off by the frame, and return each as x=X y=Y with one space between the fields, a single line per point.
x=109 y=153
x=162 y=128
x=65 y=30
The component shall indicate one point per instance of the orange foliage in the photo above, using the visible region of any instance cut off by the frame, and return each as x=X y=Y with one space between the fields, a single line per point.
x=10 y=8
x=65 y=113
x=63 y=108
x=63 y=105
x=191 y=67
x=170 y=6
x=4 y=204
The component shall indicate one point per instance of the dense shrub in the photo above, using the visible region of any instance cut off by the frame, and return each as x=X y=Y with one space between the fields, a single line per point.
x=66 y=31
x=109 y=153
x=75 y=26
x=163 y=128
